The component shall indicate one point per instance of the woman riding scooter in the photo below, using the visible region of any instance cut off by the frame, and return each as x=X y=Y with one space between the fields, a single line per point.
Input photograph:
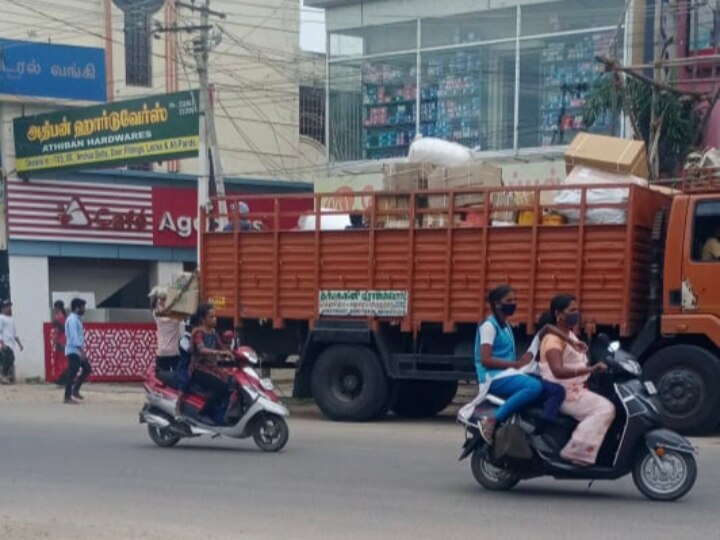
x=207 y=349
x=563 y=360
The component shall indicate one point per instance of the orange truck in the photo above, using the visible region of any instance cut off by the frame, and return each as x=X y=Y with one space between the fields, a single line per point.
x=381 y=309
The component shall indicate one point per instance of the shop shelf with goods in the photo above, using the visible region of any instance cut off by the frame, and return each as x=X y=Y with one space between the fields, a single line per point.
x=389 y=109
x=568 y=70
x=453 y=92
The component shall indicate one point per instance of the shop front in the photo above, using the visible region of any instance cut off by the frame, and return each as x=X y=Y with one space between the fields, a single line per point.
x=108 y=238
x=497 y=76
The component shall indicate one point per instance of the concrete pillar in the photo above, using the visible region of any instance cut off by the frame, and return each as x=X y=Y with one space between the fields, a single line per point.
x=30 y=291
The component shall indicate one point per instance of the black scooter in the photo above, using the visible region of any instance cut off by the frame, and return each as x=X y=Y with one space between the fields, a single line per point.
x=661 y=461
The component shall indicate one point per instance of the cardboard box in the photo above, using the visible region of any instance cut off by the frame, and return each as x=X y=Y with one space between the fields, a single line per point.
x=439 y=221
x=406 y=176
x=611 y=154
x=183 y=295
x=473 y=176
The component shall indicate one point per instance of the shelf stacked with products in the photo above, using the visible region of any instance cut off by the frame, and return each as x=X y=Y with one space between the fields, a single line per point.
x=451 y=99
x=568 y=71
x=454 y=93
x=389 y=108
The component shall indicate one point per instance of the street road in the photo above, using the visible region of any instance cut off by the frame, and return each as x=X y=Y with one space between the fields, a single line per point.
x=90 y=472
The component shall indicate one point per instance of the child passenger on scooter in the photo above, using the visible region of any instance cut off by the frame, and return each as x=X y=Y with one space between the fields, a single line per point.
x=497 y=363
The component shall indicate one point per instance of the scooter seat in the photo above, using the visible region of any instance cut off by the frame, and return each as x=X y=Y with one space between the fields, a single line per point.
x=168 y=379
x=536 y=413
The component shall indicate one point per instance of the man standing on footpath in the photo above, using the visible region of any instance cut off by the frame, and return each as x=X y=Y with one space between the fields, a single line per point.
x=8 y=341
x=75 y=351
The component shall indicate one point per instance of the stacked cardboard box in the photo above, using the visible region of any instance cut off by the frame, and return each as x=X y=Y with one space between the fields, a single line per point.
x=474 y=176
x=399 y=180
x=610 y=154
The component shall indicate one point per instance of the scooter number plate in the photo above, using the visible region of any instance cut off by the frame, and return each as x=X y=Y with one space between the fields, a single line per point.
x=267 y=384
x=650 y=387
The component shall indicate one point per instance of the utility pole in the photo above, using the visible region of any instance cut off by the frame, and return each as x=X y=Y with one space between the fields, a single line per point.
x=209 y=151
x=655 y=119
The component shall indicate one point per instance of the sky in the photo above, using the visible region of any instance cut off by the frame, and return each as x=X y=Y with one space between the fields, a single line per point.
x=312 y=29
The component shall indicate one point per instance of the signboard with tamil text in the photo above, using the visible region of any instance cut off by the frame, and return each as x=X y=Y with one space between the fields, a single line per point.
x=155 y=128
x=46 y=70
x=363 y=303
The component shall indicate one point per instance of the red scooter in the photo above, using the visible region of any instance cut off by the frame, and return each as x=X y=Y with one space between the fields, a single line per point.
x=254 y=410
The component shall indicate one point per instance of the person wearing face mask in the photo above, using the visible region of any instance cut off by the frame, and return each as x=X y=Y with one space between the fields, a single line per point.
x=496 y=361
x=563 y=360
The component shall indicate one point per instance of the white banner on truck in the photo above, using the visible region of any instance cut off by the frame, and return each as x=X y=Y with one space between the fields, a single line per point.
x=363 y=303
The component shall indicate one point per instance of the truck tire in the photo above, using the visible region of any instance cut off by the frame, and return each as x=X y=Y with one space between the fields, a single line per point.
x=349 y=384
x=421 y=399
x=686 y=377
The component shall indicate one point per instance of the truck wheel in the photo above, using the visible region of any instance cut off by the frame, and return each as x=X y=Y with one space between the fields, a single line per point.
x=420 y=399
x=686 y=377
x=349 y=384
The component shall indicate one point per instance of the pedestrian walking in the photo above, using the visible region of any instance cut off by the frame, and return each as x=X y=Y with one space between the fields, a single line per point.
x=75 y=352
x=8 y=341
x=59 y=341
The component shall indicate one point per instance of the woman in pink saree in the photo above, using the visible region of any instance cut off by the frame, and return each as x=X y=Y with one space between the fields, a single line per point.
x=563 y=360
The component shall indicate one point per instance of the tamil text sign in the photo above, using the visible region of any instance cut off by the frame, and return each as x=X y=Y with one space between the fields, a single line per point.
x=363 y=303
x=46 y=70
x=150 y=129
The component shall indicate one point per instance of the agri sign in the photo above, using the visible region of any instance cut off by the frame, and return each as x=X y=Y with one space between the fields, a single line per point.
x=183 y=226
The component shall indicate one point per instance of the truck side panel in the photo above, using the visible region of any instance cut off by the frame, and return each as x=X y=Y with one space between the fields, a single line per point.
x=447 y=271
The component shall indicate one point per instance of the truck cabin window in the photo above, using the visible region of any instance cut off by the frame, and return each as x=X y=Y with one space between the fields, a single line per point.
x=706 y=240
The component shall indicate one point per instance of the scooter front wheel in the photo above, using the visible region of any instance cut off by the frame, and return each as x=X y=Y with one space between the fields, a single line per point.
x=162 y=437
x=270 y=432
x=667 y=477
x=490 y=476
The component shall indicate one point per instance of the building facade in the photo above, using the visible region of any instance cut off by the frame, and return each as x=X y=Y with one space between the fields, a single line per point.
x=255 y=67
x=503 y=76
x=111 y=235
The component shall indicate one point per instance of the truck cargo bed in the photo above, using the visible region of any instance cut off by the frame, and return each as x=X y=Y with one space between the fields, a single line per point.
x=446 y=271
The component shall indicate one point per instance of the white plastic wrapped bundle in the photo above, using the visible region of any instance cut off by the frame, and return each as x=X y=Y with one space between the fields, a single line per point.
x=588 y=176
x=439 y=152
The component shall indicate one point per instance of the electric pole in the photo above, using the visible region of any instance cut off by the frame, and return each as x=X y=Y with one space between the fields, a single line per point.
x=655 y=119
x=210 y=167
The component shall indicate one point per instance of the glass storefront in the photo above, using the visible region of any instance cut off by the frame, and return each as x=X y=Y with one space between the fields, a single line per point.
x=456 y=78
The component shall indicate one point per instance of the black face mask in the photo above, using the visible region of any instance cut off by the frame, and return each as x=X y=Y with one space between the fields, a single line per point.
x=508 y=309
x=572 y=319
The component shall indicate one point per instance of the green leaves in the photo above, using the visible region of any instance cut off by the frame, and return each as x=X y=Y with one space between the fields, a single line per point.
x=680 y=119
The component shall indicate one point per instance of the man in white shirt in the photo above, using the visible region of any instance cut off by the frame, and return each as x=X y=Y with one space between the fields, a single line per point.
x=8 y=341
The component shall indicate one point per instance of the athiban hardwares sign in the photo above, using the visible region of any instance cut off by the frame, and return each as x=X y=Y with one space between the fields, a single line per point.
x=154 y=128
x=363 y=303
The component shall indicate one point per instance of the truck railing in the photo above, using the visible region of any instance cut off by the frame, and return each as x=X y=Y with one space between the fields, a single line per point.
x=424 y=209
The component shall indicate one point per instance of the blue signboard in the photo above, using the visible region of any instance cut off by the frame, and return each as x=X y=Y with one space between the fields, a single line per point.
x=52 y=71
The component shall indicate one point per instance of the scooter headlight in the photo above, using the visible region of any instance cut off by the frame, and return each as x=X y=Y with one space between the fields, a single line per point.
x=252 y=357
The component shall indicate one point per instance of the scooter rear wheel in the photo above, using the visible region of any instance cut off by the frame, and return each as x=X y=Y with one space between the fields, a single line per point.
x=490 y=476
x=668 y=480
x=270 y=432
x=162 y=437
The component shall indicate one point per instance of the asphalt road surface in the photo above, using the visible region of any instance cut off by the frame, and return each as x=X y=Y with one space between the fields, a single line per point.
x=91 y=472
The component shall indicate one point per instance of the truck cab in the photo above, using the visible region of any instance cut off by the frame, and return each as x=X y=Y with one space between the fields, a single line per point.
x=684 y=359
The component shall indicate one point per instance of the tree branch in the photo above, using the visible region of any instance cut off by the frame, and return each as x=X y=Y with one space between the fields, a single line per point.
x=615 y=65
